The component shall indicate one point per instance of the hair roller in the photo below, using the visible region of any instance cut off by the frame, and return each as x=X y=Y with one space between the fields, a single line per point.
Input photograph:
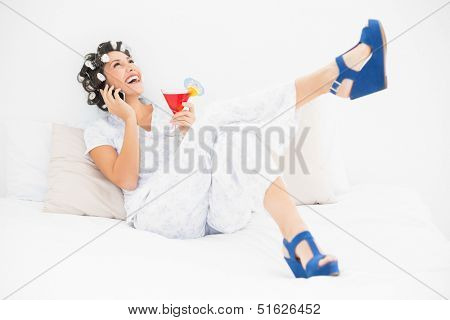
x=92 y=76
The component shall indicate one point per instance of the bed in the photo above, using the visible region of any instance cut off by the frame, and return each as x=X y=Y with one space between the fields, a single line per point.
x=118 y=262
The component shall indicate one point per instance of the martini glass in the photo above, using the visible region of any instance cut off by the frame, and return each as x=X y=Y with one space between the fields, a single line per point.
x=175 y=99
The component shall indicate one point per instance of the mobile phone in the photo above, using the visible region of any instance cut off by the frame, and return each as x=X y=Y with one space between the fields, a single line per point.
x=122 y=95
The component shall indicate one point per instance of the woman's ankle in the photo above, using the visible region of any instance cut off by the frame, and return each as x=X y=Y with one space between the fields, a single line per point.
x=355 y=58
x=331 y=73
x=289 y=233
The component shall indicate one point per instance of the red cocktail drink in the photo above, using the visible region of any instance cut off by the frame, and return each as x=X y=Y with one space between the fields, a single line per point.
x=175 y=99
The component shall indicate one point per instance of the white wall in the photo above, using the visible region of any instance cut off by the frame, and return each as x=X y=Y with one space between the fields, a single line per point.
x=397 y=136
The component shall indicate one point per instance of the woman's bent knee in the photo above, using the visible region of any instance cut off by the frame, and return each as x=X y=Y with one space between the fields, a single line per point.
x=170 y=228
x=227 y=221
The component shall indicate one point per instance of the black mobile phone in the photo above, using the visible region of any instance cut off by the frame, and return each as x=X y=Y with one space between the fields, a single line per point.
x=122 y=95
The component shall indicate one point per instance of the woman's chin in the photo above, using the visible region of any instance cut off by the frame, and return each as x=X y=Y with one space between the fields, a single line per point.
x=134 y=89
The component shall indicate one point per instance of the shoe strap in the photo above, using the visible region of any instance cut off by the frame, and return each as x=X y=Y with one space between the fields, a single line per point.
x=305 y=235
x=344 y=73
x=366 y=36
x=313 y=263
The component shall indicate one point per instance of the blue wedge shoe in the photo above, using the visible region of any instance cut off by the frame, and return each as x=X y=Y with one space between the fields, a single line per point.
x=372 y=77
x=312 y=267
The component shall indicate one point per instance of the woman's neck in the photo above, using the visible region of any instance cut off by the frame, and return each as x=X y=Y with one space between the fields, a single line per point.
x=143 y=112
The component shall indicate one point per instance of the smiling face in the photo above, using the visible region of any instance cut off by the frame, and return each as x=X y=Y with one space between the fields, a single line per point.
x=121 y=72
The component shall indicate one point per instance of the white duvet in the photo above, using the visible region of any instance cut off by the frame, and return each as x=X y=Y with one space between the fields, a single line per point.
x=121 y=262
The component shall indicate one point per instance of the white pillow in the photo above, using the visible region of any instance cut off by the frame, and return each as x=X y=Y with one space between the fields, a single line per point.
x=27 y=146
x=325 y=178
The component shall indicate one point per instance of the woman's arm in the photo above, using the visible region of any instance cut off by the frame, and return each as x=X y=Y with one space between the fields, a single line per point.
x=121 y=169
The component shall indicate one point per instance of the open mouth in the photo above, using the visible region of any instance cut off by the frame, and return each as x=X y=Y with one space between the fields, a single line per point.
x=132 y=80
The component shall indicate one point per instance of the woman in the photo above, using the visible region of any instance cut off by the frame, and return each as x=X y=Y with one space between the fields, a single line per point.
x=193 y=203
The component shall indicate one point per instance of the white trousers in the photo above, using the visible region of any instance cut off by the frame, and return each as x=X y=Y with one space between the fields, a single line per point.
x=228 y=168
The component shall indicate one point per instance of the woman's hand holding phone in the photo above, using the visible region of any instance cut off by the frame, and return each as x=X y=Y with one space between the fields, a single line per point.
x=115 y=104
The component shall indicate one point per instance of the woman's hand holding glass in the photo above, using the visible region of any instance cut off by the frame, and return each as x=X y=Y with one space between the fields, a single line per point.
x=184 y=119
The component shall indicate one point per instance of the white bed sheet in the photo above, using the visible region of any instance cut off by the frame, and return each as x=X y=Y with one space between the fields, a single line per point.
x=129 y=264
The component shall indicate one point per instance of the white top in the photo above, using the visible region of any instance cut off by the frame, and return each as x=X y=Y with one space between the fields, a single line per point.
x=110 y=130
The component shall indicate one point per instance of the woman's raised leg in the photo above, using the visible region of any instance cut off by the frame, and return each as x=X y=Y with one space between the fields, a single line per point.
x=269 y=104
x=261 y=108
x=277 y=201
x=319 y=82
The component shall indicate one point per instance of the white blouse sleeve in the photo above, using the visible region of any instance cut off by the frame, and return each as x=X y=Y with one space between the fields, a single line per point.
x=97 y=135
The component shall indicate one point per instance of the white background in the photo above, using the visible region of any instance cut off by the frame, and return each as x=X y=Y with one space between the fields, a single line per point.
x=399 y=136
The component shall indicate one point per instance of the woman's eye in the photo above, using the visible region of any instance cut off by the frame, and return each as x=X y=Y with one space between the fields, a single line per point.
x=117 y=63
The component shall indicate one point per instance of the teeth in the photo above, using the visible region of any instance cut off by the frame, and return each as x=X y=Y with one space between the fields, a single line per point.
x=132 y=78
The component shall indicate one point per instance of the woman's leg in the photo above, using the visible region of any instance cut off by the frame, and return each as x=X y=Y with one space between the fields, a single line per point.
x=277 y=105
x=277 y=201
x=319 y=82
x=175 y=196
x=282 y=208
x=229 y=206
x=232 y=186
x=176 y=205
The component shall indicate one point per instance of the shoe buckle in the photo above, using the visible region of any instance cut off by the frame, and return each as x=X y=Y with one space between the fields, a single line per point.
x=335 y=86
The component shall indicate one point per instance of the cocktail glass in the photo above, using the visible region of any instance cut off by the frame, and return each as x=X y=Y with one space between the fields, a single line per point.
x=175 y=99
